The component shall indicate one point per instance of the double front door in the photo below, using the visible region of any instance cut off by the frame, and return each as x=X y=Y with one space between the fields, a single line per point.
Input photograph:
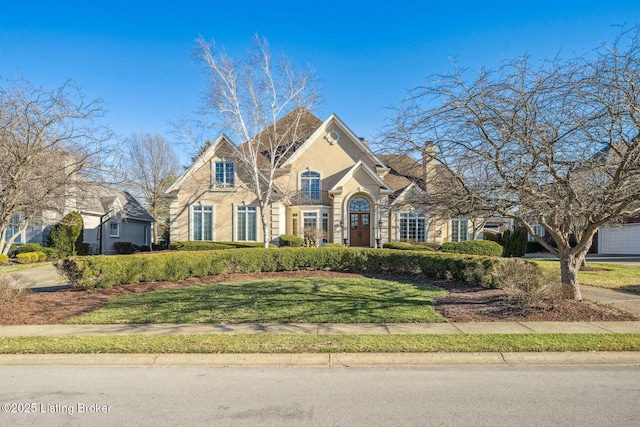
x=360 y=234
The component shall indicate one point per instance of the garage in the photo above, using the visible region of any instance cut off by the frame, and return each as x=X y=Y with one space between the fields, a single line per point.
x=621 y=239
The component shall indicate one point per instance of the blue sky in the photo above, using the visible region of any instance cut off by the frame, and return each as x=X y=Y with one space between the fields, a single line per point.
x=136 y=55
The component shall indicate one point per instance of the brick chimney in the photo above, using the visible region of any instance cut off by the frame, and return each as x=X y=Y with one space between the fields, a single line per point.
x=429 y=165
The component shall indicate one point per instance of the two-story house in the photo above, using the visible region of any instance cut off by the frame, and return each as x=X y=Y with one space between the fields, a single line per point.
x=331 y=185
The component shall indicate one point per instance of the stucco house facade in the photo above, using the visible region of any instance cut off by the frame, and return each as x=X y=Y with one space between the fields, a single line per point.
x=331 y=184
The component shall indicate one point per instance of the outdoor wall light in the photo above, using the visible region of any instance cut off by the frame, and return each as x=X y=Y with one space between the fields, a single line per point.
x=341 y=223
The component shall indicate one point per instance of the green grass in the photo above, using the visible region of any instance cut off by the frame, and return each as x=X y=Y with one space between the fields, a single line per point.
x=319 y=343
x=313 y=300
x=20 y=267
x=612 y=276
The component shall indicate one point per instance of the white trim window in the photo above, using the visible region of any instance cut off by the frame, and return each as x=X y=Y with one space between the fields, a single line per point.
x=202 y=223
x=459 y=229
x=224 y=175
x=310 y=186
x=538 y=229
x=412 y=227
x=114 y=229
x=325 y=227
x=246 y=223
x=14 y=228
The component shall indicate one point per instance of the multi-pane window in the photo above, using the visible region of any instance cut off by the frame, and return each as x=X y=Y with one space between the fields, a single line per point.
x=14 y=228
x=325 y=227
x=413 y=227
x=539 y=230
x=294 y=224
x=310 y=220
x=310 y=186
x=360 y=204
x=114 y=229
x=246 y=223
x=224 y=174
x=459 y=227
x=202 y=222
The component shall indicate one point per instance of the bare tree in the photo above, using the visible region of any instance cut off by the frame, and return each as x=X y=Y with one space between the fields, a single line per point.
x=263 y=103
x=49 y=143
x=150 y=167
x=555 y=145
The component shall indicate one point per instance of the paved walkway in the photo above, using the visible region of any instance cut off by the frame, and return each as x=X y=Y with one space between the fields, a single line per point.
x=328 y=328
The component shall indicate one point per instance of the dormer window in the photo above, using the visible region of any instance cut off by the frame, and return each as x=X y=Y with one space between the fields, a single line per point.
x=310 y=186
x=224 y=174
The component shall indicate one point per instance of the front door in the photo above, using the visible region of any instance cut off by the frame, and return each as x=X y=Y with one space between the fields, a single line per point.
x=360 y=224
x=360 y=233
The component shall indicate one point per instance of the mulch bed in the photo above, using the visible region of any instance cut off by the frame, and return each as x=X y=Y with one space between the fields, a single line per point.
x=463 y=303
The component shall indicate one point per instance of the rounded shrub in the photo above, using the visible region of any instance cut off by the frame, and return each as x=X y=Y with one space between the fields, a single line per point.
x=3 y=259
x=27 y=258
x=28 y=247
x=287 y=240
x=473 y=247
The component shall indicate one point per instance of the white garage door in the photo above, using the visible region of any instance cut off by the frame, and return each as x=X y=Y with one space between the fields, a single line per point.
x=621 y=240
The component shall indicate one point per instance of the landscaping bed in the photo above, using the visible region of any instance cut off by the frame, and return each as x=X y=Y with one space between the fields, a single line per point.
x=464 y=303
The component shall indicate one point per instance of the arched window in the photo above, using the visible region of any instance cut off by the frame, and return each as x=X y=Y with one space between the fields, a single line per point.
x=360 y=204
x=310 y=186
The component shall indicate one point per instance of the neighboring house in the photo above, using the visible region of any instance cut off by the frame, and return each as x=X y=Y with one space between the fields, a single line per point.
x=619 y=239
x=332 y=185
x=109 y=216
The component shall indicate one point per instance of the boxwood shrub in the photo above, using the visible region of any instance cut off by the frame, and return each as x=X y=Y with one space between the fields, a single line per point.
x=473 y=247
x=29 y=257
x=287 y=240
x=4 y=259
x=107 y=271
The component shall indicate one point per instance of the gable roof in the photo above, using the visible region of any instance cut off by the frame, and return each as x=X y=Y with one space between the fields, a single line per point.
x=324 y=127
x=99 y=200
x=360 y=165
x=202 y=161
x=402 y=196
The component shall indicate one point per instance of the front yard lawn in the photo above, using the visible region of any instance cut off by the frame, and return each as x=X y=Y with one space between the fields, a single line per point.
x=603 y=275
x=312 y=300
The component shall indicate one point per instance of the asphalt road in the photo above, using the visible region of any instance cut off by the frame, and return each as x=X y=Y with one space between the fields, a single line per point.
x=434 y=396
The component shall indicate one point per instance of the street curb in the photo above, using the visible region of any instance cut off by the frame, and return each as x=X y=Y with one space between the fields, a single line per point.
x=328 y=360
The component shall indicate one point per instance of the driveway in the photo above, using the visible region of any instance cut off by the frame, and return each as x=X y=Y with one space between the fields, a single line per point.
x=42 y=279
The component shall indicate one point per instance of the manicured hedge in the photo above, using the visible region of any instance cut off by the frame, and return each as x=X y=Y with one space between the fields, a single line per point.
x=3 y=259
x=473 y=247
x=107 y=271
x=406 y=246
x=29 y=257
x=208 y=246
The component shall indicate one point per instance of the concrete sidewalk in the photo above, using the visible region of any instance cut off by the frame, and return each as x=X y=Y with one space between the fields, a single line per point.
x=328 y=328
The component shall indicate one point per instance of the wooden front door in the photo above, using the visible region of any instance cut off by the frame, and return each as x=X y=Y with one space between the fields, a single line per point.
x=359 y=222
x=360 y=231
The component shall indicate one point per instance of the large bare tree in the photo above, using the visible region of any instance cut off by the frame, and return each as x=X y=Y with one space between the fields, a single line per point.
x=251 y=96
x=150 y=167
x=49 y=143
x=554 y=144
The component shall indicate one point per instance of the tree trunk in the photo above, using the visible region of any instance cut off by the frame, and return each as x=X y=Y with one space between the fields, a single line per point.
x=569 y=266
x=265 y=229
